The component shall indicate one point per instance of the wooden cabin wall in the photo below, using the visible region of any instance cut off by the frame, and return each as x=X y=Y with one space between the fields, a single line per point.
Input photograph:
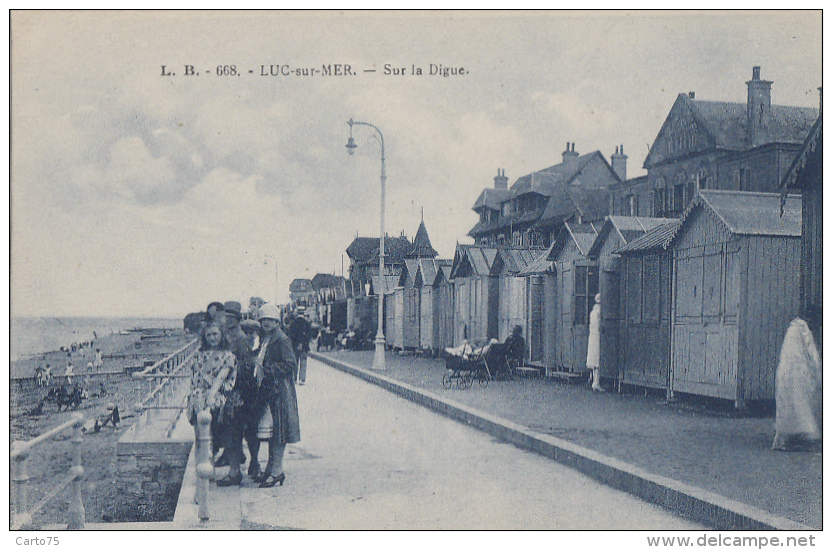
x=411 y=316
x=534 y=333
x=550 y=319
x=428 y=321
x=811 y=261
x=771 y=302
x=610 y=287
x=706 y=343
x=512 y=305
x=446 y=315
x=572 y=337
x=644 y=350
x=390 y=319
x=475 y=316
x=462 y=309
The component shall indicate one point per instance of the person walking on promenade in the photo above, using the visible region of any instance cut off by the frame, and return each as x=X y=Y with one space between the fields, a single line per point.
x=274 y=375
x=300 y=332
x=593 y=351
x=212 y=379
x=798 y=391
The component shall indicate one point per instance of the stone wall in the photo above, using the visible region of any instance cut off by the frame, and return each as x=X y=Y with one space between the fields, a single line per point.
x=150 y=471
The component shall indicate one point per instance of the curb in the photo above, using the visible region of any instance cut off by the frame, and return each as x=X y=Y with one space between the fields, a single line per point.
x=692 y=502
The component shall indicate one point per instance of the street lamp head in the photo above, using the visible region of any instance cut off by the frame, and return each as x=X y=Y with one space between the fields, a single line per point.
x=351 y=146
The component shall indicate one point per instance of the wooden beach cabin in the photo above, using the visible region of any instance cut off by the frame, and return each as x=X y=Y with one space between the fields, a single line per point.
x=513 y=288
x=615 y=232
x=407 y=313
x=476 y=293
x=431 y=315
x=577 y=284
x=736 y=289
x=644 y=308
x=444 y=291
x=543 y=311
x=806 y=177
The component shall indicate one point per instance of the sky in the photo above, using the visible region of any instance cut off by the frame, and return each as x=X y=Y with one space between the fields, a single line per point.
x=138 y=194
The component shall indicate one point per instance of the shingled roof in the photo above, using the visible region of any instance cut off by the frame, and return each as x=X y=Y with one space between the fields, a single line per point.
x=627 y=228
x=657 y=238
x=726 y=124
x=745 y=213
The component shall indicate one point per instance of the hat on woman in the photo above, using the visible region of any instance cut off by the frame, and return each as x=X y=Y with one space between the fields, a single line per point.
x=269 y=311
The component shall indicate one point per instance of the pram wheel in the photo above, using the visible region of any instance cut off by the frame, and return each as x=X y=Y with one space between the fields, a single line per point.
x=483 y=382
x=447 y=382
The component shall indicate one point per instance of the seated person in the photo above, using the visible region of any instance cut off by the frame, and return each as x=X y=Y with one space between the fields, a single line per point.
x=516 y=346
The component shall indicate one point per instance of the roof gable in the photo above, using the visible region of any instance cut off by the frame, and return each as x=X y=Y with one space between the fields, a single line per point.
x=694 y=126
x=808 y=160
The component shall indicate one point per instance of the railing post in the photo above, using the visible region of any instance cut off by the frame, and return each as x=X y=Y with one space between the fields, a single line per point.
x=138 y=409
x=77 y=514
x=20 y=479
x=204 y=468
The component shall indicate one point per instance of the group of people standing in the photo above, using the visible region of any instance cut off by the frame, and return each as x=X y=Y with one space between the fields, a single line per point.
x=244 y=374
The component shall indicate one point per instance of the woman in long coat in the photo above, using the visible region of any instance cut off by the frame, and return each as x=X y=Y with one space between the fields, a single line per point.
x=593 y=351
x=274 y=374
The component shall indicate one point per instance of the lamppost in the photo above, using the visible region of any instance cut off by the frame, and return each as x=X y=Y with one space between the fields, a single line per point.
x=379 y=362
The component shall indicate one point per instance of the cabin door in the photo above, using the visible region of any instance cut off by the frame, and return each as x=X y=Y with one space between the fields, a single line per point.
x=610 y=319
x=705 y=333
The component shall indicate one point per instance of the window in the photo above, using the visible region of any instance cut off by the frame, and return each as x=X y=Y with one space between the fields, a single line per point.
x=516 y=239
x=703 y=179
x=679 y=197
x=745 y=179
x=586 y=287
x=631 y=205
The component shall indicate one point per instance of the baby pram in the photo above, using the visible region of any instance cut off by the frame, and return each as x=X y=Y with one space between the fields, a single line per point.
x=467 y=363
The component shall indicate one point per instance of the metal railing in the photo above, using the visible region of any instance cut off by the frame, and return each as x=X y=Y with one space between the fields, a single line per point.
x=163 y=392
x=22 y=514
x=167 y=395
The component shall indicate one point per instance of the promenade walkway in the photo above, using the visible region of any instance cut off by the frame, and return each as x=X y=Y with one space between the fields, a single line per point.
x=720 y=452
x=369 y=459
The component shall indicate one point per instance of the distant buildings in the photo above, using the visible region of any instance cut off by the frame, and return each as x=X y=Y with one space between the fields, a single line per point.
x=529 y=213
x=715 y=145
x=695 y=262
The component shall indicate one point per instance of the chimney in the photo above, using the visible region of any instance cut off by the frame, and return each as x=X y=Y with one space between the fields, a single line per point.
x=500 y=180
x=758 y=109
x=569 y=156
x=619 y=163
x=692 y=95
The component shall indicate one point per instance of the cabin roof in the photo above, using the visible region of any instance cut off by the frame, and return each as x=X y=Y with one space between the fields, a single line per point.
x=747 y=213
x=541 y=264
x=626 y=227
x=657 y=238
x=515 y=260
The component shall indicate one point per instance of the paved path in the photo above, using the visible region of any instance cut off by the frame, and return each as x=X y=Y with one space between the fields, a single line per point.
x=689 y=441
x=371 y=460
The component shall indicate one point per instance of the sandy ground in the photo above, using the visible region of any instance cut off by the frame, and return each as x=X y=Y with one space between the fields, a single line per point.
x=50 y=461
x=698 y=443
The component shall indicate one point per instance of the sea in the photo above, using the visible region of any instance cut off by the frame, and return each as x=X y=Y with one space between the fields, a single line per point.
x=35 y=335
